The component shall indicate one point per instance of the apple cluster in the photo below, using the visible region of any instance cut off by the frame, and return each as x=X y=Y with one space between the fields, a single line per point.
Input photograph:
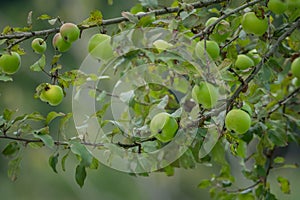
x=68 y=33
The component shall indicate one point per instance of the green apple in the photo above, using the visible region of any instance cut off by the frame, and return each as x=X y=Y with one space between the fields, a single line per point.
x=10 y=63
x=60 y=44
x=39 y=45
x=53 y=94
x=238 y=121
x=296 y=82
x=253 y=54
x=99 y=46
x=205 y=94
x=243 y=62
x=221 y=30
x=296 y=67
x=212 y=49
x=277 y=6
x=163 y=126
x=252 y=24
x=69 y=32
x=162 y=45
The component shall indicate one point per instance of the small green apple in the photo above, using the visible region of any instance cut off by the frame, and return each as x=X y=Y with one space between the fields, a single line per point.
x=243 y=62
x=39 y=45
x=10 y=63
x=53 y=94
x=212 y=49
x=162 y=45
x=277 y=6
x=221 y=30
x=296 y=67
x=205 y=94
x=296 y=82
x=252 y=24
x=163 y=126
x=99 y=46
x=60 y=44
x=253 y=54
x=238 y=121
x=69 y=32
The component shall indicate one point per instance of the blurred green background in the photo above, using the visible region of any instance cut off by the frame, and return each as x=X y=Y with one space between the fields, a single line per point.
x=37 y=180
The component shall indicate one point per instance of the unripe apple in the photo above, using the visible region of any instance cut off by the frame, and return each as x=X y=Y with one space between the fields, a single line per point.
x=10 y=63
x=296 y=67
x=238 y=121
x=162 y=45
x=99 y=46
x=296 y=82
x=277 y=6
x=60 y=44
x=212 y=49
x=163 y=126
x=69 y=32
x=243 y=62
x=39 y=45
x=221 y=30
x=253 y=54
x=252 y=24
x=53 y=94
x=205 y=94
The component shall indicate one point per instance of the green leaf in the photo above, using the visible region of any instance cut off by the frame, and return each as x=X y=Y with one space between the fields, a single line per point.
x=53 y=160
x=80 y=175
x=204 y=184
x=52 y=115
x=279 y=160
x=247 y=196
x=5 y=78
x=84 y=154
x=36 y=116
x=7 y=114
x=284 y=185
x=39 y=65
x=44 y=17
x=14 y=168
x=132 y=18
x=63 y=122
x=169 y=170
x=63 y=161
x=94 y=164
x=95 y=18
x=270 y=196
x=11 y=149
x=278 y=137
x=43 y=134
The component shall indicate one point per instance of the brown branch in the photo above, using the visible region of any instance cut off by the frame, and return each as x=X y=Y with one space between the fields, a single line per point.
x=244 y=189
x=284 y=101
x=259 y=66
x=57 y=143
x=210 y=28
x=117 y=20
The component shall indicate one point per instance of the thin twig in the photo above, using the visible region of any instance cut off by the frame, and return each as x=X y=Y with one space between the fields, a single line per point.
x=210 y=28
x=284 y=101
x=259 y=66
x=117 y=20
x=57 y=143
